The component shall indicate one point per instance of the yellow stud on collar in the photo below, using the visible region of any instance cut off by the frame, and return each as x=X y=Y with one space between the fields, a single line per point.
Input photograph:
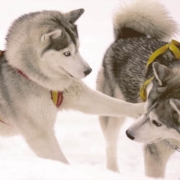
x=172 y=46
x=57 y=97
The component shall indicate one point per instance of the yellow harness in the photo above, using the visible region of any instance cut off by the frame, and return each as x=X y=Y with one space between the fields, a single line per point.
x=171 y=46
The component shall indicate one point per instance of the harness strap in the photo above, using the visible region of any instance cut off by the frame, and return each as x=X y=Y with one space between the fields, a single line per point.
x=143 y=93
x=172 y=46
x=157 y=53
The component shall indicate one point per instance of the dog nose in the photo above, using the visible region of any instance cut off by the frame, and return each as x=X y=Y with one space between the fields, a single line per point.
x=87 y=71
x=129 y=135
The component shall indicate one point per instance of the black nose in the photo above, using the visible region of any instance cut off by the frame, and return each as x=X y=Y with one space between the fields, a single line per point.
x=129 y=135
x=87 y=71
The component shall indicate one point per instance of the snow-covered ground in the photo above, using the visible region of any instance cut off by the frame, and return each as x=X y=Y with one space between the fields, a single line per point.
x=78 y=134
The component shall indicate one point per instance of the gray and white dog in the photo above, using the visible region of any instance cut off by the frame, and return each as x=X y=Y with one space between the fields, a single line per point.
x=42 y=56
x=141 y=28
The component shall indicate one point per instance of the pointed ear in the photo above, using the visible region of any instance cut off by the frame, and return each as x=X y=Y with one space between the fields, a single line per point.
x=175 y=103
x=51 y=35
x=160 y=72
x=74 y=15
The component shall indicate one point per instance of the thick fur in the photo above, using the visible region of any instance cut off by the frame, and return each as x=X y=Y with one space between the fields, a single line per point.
x=149 y=18
x=161 y=120
x=44 y=46
x=139 y=30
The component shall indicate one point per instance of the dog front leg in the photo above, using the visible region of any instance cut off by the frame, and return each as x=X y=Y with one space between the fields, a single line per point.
x=155 y=159
x=80 y=97
x=44 y=144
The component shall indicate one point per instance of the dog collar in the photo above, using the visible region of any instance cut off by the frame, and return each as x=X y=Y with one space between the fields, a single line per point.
x=56 y=96
x=172 y=46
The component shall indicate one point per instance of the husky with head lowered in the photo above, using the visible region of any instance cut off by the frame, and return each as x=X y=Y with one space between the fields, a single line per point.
x=40 y=74
x=141 y=28
x=159 y=126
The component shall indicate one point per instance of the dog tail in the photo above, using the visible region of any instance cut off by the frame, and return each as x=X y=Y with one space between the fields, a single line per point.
x=144 y=18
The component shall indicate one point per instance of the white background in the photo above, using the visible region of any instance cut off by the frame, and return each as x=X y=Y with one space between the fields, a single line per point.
x=79 y=135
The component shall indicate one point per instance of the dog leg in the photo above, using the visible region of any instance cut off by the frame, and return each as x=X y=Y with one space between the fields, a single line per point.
x=45 y=145
x=155 y=159
x=37 y=129
x=80 y=97
x=111 y=127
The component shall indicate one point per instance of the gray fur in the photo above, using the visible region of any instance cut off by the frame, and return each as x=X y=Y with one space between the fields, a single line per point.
x=42 y=55
x=163 y=107
x=124 y=70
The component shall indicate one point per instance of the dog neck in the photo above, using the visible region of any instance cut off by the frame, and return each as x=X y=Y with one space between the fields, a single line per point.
x=56 y=96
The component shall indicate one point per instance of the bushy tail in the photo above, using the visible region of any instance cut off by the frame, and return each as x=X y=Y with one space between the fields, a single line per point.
x=144 y=18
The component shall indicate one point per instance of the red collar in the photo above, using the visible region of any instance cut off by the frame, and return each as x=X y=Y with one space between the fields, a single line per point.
x=20 y=72
x=56 y=96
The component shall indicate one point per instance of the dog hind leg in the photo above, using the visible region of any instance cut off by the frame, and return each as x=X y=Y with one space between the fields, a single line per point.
x=111 y=127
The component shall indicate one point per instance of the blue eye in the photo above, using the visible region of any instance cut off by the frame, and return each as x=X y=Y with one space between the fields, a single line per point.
x=67 y=53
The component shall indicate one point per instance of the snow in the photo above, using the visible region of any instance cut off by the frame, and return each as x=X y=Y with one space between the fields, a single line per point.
x=79 y=135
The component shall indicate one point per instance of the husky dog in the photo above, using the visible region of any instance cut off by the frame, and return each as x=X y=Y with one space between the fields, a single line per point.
x=139 y=29
x=42 y=56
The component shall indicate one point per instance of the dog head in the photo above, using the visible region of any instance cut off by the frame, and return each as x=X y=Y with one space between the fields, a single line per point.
x=47 y=42
x=162 y=117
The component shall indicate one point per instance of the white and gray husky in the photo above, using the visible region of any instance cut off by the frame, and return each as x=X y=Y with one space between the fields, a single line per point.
x=141 y=28
x=42 y=57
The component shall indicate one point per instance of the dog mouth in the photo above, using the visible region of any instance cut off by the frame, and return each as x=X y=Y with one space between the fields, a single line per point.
x=70 y=75
x=67 y=73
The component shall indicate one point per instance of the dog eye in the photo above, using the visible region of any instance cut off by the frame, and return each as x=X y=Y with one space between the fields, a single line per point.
x=156 y=123
x=67 y=53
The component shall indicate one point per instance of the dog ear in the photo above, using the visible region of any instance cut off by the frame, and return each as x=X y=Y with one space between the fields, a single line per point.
x=175 y=103
x=51 y=35
x=74 y=15
x=160 y=72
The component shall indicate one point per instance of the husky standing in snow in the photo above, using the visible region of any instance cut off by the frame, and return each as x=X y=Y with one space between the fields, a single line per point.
x=141 y=28
x=40 y=74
